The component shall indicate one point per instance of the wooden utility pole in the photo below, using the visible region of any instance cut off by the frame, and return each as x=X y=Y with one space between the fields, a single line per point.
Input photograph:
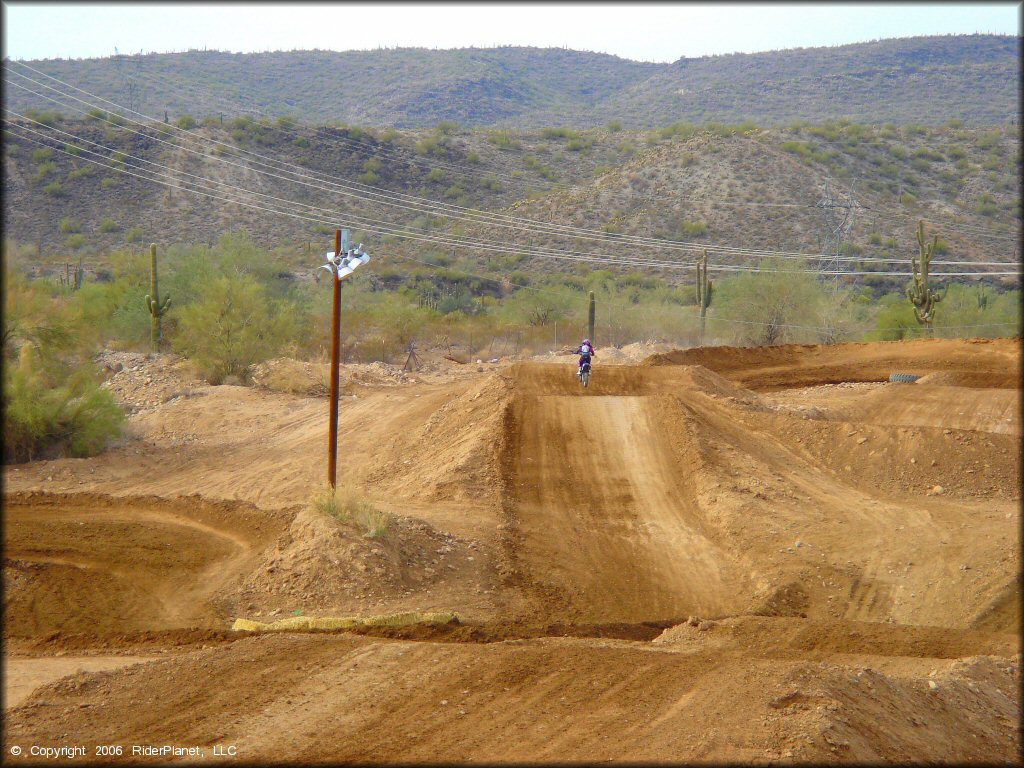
x=332 y=445
x=590 y=319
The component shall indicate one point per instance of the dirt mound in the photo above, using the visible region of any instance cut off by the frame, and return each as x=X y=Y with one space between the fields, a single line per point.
x=975 y=379
x=322 y=566
x=100 y=565
x=990 y=361
x=544 y=700
x=142 y=382
x=450 y=453
x=799 y=638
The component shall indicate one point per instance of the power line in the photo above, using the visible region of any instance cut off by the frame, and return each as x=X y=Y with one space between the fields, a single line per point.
x=504 y=248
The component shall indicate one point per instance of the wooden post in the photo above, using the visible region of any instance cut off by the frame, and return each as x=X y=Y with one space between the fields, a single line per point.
x=590 y=319
x=332 y=449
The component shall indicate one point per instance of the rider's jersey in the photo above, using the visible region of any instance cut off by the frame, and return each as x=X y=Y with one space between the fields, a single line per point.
x=589 y=350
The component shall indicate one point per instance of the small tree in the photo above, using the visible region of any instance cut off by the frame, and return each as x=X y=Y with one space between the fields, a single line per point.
x=779 y=304
x=230 y=328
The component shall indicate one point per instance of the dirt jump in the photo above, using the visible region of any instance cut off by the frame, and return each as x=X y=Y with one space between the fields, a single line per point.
x=710 y=555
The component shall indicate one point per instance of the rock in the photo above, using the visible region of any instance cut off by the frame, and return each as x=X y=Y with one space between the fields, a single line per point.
x=933 y=685
x=704 y=626
x=937 y=490
x=861 y=440
x=693 y=621
x=798 y=543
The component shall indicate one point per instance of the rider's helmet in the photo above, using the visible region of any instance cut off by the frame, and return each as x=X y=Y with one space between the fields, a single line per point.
x=586 y=341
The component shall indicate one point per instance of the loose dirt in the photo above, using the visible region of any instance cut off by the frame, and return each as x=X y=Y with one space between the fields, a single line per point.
x=716 y=555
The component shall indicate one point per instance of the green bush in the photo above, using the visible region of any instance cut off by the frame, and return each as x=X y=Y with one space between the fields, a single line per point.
x=986 y=206
x=109 y=225
x=693 y=229
x=72 y=416
x=77 y=173
x=45 y=169
x=95 y=114
x=503 y=140
x=133 y=235
x=42 y=154
x=68 y=226
x=369 y=178
x=74 y=242
x=231 y=326
x=187 y=122
x=106 y=182
x=614 y=126
x=54 y=189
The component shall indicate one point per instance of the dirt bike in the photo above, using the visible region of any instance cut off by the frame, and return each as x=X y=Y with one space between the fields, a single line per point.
x=584 y=374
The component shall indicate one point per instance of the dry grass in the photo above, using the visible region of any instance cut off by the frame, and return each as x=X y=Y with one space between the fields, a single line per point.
x=350 y=506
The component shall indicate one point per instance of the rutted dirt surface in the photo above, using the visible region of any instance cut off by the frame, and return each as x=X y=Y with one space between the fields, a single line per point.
x=726 y=555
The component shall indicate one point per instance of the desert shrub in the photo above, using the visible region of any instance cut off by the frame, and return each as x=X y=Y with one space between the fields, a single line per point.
x=558 y=133
x=77 y=173
x=692 y=229
x=46 y=117
x=71 y=415
x=503 y=140
x=54 y=189
x=133 y=235
x=74 y=242
x=988 y=140
x=68 y=226
x=780 y=304
x=231 y=326
x=986 y=206
x=895 y=320
x=369 y=178
x=613 y=126
x=434 y=145
x=45 y=169
x=107 y=182
x=300 y=141
x=187 y=122
x=42 y=154
x=435 y=176
x=109 y=225
x=95 y=114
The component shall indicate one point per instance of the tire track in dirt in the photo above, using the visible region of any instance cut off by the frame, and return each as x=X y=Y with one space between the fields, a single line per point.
x=96 y=564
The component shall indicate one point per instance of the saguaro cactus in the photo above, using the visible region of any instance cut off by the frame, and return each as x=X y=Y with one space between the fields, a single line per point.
x=982 y=298
x=705 y=288
x=153 y=304
x=590 y=319
x=920 y=295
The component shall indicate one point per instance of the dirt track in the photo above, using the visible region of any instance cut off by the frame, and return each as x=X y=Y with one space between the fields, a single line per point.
x=847 y=550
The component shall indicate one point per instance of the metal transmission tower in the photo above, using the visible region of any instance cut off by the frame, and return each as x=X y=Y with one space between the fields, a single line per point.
x=839 y=213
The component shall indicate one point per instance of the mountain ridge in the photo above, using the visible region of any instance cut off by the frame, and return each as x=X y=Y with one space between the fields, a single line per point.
x=928 y=80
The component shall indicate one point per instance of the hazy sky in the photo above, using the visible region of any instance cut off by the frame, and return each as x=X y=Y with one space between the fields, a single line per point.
x=644 y=32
